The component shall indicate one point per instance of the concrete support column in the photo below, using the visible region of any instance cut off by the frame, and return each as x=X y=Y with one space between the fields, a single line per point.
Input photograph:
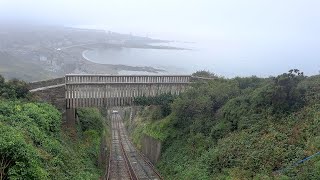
x=89 y=95
x=70 y=116
x=72 y=97
x=99 y=98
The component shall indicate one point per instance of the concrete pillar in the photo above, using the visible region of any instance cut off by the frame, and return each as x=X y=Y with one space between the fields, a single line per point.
x=67 y=97
x=70 y=117
x=75 y=96
x=94 y=102
x=116 y=96
x=93 y=97
x=109 y=95
x=87 y=94
x=120 y=95
x=78 y=95
x=72 y=96
x=102 y=92
x=102 y=89
x=98 y=98
x=106 y=96
x=83 y=96
x=84 y=93
x=100 y=95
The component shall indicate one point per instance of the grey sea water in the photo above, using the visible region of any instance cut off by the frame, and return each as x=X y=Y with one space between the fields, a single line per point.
x=226 y=59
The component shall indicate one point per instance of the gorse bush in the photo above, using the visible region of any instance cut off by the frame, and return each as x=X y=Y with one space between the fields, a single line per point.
x=13 y=89
x=19 y=160
x=92 y=128
x=90 y=119
x=32 y=145
x=240 y=128
x=28 y=133
x=162 y=100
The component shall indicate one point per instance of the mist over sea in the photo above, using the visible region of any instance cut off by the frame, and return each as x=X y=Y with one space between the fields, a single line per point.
x=226 y=61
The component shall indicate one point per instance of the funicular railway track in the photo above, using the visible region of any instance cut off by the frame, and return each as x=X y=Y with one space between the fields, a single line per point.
x=118 y=165
x=125 y=161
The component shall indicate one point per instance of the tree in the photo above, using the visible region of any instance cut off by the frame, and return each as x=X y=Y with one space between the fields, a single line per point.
x=285 y=95
x=204 y=73
x=18 y=159
x=13 y=89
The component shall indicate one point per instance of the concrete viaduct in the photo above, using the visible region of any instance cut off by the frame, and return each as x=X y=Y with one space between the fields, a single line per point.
x=92 y=90
x=118 y=90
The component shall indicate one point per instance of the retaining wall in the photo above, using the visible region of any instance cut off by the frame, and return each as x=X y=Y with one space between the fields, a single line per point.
x=151 y=148
x=50 y=82
x=55 y=96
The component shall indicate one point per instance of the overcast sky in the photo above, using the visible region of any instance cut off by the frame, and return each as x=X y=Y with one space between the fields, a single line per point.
x=234 y=19
x=265 y=28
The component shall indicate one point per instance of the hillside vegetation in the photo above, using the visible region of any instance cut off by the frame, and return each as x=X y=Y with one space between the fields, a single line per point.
x=32 y=144
x=240 y=128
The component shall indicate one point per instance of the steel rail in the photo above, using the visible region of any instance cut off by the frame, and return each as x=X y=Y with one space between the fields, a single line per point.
x=143 y=158
x=115 y=128
x=133 y=176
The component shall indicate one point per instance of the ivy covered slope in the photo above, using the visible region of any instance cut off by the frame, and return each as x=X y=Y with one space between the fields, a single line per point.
x=32 y=144
x=240 y=128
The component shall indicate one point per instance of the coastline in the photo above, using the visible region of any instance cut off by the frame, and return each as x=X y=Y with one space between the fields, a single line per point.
x=84 y=56
x=88 y=64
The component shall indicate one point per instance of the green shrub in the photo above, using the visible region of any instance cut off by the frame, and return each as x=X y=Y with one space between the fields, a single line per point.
x=90 y=119
x=13 y=89
x=240 y=128
x=32 y=146
x=18 y=158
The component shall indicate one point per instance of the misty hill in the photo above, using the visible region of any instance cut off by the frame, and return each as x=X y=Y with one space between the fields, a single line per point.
x=40 y=52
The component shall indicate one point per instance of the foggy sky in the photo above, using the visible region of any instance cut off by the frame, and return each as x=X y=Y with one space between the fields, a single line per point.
x=254 y=30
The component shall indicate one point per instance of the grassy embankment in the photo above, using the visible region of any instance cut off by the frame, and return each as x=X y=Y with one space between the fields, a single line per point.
x=240 y=128
x=33 y=144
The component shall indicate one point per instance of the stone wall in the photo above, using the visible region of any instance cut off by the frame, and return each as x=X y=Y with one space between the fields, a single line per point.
x=50 y=82
x=55 y=96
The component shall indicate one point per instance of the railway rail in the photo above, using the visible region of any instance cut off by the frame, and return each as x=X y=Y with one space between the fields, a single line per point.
x=125 y=162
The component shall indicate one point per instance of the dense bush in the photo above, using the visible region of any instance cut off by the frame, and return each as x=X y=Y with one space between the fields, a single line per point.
x=92 y=128
x=32 y=145
x=90 y=119
x=162 y=100
x=18 y=158
x=13 y=89
x=205 y=74
x=240 y=128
